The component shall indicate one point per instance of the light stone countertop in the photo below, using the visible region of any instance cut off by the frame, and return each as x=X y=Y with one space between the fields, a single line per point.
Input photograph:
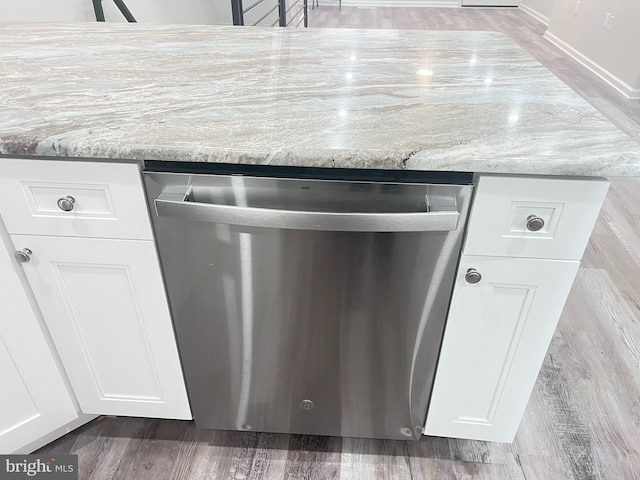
x=421 y=100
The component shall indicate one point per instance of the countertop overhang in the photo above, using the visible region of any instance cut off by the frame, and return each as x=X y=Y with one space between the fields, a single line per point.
x=388 y=99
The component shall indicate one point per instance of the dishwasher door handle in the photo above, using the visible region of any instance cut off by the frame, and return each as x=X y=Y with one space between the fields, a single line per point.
x=175 y=205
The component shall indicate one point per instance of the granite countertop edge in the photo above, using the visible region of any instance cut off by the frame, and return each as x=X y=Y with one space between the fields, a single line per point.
x=327 y=158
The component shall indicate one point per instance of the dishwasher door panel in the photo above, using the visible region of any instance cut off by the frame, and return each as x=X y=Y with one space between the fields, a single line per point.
x=300 y=331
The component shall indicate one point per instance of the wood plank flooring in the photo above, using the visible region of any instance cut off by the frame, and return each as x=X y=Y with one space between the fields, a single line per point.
x=583 y=419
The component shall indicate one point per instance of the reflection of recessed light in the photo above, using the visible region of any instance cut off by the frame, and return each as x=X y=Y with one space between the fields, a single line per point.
x=349 y=76
x=473 y=60
x=425 y=72
x=513 y=118
x=353 y=57
x=488 y=81
x=342 y=113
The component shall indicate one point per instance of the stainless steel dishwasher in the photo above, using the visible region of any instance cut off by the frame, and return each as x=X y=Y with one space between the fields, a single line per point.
x=308 y=305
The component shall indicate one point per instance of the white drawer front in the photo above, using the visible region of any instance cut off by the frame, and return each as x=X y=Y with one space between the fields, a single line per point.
x=503 y=206
x=107 y=199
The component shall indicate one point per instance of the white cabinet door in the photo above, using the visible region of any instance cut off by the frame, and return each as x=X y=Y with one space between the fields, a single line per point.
x=496 y=338
x=105 y=306
x=34 y=400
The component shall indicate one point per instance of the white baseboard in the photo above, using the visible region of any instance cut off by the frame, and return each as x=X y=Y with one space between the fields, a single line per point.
x=400 y=3
x=624 y=88
x=59 y=432
x=535 y=14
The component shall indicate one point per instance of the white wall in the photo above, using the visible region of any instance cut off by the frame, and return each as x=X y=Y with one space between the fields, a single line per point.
x=43 y=10
x=613 y=54
x=541 y=9
x=145 y=11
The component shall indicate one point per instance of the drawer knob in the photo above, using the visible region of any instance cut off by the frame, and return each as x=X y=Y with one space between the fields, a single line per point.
x=24 y=255
x=66 y=203
x=473 y=276
x=534 y=223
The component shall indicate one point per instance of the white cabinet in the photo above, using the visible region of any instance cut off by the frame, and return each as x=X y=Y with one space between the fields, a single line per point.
x=525 y=237
x=104 y=304
x=496 y=338
x=34 y=400
x=94 y=272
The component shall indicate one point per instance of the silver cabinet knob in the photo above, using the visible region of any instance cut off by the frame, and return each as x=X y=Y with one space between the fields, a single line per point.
x=472 y=276
x=24 y=255
x=66 y=203
x=534 y=223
